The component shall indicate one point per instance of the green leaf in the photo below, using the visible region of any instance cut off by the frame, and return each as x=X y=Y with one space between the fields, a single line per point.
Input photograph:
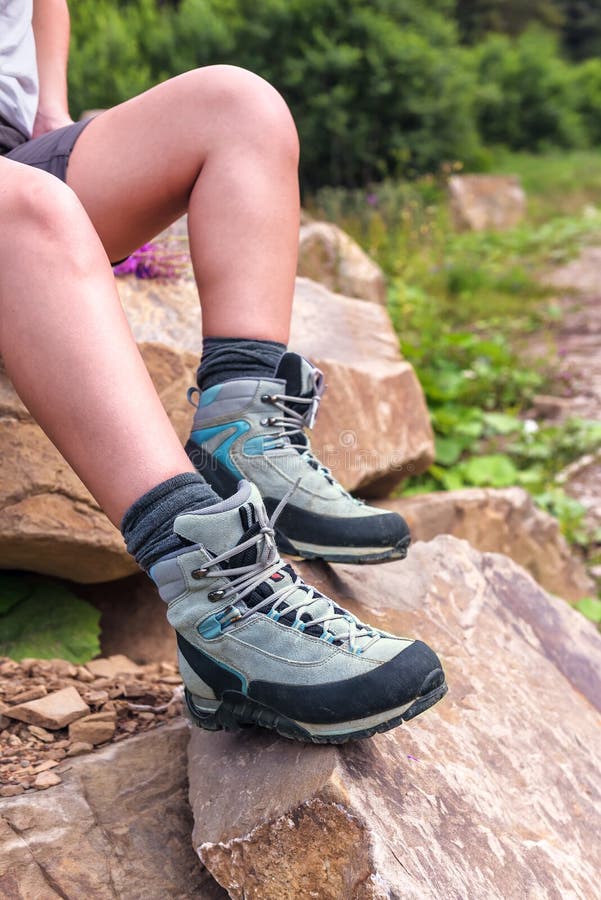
x=44 y=620
x=495 y=470
x=590 y=607
x=501 y=423
x=448 y=450
x=12 y=590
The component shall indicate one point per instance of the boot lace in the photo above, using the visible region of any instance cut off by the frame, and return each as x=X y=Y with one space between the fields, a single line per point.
x=247 y=578
x=293 y=422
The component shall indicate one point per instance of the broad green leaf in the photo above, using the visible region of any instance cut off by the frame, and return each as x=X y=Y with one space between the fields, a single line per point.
x=12 y=590
x=448 y=450
x=46 y=621
x=590 y=607
x=494 y=470
x=501 y=423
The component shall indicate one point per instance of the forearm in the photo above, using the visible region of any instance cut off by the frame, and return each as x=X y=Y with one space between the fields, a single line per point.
x=51 y=27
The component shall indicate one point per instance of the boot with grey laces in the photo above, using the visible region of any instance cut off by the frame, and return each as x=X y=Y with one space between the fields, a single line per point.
x=258 y=646
x=255 y=428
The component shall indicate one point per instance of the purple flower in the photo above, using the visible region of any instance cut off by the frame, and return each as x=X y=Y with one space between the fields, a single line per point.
x=372 y=199
x=152 y=261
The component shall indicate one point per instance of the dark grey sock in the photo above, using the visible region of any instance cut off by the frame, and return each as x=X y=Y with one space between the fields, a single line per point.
x=225 y=359
x=147 y=526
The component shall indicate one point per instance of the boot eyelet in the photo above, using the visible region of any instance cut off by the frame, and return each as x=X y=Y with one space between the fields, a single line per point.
x=272 y=421
x=197 y=574
x=266 y=398
x=213 y=596
x=264 y=421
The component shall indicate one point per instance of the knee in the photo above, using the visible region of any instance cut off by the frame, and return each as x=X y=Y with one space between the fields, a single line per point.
x=41 y=204
x=249 y=108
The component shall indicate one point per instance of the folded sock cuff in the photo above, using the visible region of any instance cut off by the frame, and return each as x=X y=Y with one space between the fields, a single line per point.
x=147 y=525
x=227 y=359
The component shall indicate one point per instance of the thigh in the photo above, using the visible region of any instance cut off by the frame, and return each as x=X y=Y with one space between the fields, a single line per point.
x=50 y=152
x=134 y=166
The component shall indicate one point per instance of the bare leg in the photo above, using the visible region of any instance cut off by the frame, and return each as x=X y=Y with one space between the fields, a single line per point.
x=220 y=143
x=67 y=346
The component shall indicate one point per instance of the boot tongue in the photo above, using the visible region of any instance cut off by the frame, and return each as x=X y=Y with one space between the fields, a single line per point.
x=221 y=527
x=302 y=380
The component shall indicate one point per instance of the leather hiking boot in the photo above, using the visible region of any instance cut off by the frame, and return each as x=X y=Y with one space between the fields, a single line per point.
x=258 y=646
x=255 y=429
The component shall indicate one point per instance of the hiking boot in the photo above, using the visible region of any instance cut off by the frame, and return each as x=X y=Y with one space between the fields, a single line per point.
x=257 y=646
x=255 y=429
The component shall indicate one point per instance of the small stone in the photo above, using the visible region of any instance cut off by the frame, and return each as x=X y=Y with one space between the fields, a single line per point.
x=94 y=729
x=84 y=675
x=146 y=716
x=4 y=722
x=9 y=667
x=46 y=779
x=113 y=666
x=31 y=694
x=58 y=755
x=41 y=734
x=167 y=668
x=79 y=747
x=95 y=698
x=28 y=663
x=53 y=711
x=129 y=726
x=63 y=668
x=45 y=766
x=11 y=790
x=171 y=679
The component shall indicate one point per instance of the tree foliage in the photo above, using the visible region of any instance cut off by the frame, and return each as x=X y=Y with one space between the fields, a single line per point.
x=377 y=87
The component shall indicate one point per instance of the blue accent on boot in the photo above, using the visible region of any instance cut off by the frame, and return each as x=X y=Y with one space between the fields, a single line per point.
x=255 y=446
x=221 y=453
x=209 y=395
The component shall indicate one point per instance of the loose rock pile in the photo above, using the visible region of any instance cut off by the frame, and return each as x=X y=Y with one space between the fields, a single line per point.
x=51 y=710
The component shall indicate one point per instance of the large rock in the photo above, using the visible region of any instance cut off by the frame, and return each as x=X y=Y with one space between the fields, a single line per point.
x=495 y=792
x=481 y=202
x=500 y=521
x=117 y=827
x=327 y=254
x=373 y=429
x=49 y=522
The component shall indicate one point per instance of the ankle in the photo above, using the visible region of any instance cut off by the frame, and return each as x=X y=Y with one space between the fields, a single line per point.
x=147 y=526
x=227 y=359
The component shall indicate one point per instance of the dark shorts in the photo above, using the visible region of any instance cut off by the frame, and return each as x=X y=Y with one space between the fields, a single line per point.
x=49 y=152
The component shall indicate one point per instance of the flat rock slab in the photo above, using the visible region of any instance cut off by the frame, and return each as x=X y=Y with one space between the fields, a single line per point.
x=494 y=793
x=54 y=711
x=117 y=827
x=501 y=521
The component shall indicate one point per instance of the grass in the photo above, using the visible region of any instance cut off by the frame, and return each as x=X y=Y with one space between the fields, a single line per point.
x=465 y=305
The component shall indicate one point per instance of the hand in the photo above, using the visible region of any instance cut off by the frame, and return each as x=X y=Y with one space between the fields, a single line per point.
x=45 y=122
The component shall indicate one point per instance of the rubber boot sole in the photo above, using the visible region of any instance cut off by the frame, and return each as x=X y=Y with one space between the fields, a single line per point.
x=237 y=711
x=354 y=555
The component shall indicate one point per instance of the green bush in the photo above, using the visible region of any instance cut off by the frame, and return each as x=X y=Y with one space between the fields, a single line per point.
x=378 y=89
x=587 y=91
x=526 y=97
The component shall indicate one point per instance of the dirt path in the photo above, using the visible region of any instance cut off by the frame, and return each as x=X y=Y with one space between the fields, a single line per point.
x=578 y=341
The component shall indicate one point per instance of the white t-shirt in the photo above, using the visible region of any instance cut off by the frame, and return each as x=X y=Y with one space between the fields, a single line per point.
x=18 y=66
